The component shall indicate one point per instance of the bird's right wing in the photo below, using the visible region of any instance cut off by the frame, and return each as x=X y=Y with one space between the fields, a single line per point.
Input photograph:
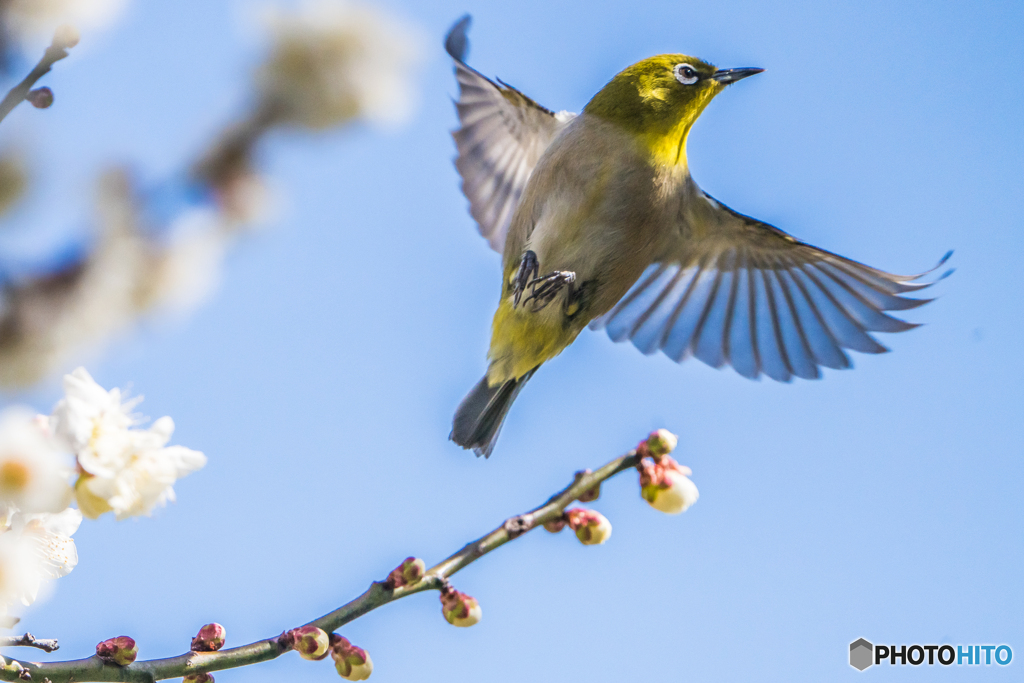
x=503 y=134
x=748 y=294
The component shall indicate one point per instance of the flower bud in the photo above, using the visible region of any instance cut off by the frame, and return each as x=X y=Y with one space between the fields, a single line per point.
x=66 y=36
x=90 y=505
x=120 y=650
x=310 y=642
x=661 y=442
x=460 y=609
x=591 y=527
x=409 y=572
x=198 y=678
x=589 y=495
x=210 y=638
x=40 y=98
x=664 y=484
x=556 y=525
x=353 y=663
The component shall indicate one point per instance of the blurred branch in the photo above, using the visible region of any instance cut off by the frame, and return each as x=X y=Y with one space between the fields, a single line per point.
x=379 y=594
x=28 y=640
x=63 y=39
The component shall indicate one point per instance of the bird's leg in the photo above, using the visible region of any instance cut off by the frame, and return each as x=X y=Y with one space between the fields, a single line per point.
x=545 y=288
x=528 y=269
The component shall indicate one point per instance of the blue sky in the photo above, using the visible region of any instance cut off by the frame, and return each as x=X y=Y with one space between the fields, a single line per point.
x=881 y=502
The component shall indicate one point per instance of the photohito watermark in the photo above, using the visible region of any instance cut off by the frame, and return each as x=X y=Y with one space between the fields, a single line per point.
x=863 y=654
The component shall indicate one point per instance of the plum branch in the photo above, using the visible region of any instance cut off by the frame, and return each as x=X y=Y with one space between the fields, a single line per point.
x=64 y=39
x=552 y=513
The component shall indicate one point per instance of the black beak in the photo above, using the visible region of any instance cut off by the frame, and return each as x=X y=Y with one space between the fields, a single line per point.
x=727 y=76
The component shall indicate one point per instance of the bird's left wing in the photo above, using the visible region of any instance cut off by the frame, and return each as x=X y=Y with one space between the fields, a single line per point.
x=502 y=135
x=746 y=293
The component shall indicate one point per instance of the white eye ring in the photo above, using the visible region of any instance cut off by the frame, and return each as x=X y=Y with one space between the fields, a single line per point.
x=685 y=74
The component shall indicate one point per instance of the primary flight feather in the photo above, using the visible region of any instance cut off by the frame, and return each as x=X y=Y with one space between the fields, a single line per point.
x=600 y=224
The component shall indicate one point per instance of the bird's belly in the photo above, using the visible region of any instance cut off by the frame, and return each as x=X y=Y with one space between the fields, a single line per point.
x=566 y=241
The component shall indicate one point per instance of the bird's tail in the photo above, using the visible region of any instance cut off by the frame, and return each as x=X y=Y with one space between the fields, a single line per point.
x=479 y=417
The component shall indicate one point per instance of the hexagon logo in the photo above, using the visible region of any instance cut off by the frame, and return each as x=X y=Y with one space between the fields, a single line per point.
x=862 y=654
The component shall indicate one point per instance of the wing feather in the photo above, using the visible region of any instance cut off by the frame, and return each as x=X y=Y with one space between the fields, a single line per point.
x=747 y=294
x=501 y=136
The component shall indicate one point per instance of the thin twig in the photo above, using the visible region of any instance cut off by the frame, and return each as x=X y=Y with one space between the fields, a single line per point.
x=29 y=640
x=378 y=594
x=57 y=51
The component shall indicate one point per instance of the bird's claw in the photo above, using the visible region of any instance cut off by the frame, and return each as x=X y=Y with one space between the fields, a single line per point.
x=528 y=269
x=545 y=288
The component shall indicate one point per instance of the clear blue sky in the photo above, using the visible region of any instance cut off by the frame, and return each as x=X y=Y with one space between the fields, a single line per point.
x=881 y=502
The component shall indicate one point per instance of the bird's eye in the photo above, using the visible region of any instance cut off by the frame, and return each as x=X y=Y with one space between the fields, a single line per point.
x=686 y=74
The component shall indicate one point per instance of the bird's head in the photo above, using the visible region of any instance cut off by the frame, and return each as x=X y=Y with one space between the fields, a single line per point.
x=659 y=99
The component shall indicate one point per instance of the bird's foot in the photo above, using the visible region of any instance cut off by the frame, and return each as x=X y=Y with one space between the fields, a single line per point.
x=529 y=267
x=544 y=289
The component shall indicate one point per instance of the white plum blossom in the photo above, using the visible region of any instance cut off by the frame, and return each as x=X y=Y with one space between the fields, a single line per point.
x=34 y=473
x=31 y=18
x=125 y=469
x=676 y=493
x=94 y=423
x=335 y=60
x=664 y=484
x=146 y=479
x=47 y=537
x=19 y=572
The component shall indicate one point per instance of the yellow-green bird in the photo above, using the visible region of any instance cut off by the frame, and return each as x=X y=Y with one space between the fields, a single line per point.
x=600 y=224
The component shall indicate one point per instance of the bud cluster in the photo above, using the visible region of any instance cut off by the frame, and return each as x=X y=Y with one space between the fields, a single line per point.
x=352 y=663
x=591 y=527
x=409 y=572
x=310 y=642
x=664 y=483
x=458 y=608
x=121 y=650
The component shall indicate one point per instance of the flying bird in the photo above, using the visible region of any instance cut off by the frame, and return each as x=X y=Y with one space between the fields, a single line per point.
x=600 y=223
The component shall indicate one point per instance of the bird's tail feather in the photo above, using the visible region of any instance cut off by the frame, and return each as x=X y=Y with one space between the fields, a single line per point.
x=479 y=417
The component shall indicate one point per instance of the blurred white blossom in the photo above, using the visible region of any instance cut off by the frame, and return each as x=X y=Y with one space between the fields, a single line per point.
x=335 y=60
x=34 y=473
x=188 y=269
x=30 y=18
x=127 y=274
x=46 y=320
x=125 y=469
x=19 y=571
x=47 y=537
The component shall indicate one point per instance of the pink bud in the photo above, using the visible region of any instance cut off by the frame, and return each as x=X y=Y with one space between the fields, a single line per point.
x=120 y=650
x=660 y=442
x=310 y=642
x=198 y=678
x=40 y=98
x=556 y=525
x=353 y=663
x=591 y=527
x=664 y=484
x=409 y=572
x=210 y=638
x=460 y=609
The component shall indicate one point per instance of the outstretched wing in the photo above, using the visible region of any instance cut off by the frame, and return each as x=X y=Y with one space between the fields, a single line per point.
x=502 y=135
x=745 y=293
